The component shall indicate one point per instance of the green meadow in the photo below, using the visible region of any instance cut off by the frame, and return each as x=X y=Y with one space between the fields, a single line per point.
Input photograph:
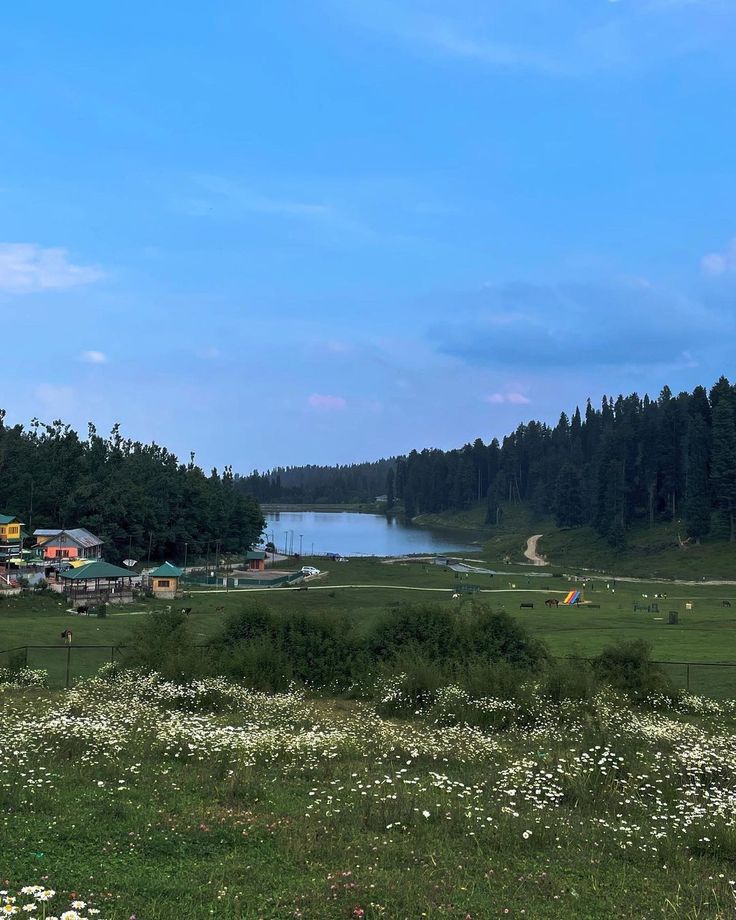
x=364 y=589
x=146 y=799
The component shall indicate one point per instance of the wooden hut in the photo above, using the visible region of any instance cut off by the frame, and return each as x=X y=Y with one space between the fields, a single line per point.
x=164 y=581
x=255 y=560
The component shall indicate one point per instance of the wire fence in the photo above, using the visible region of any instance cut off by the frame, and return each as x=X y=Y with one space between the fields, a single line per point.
x=66 y=664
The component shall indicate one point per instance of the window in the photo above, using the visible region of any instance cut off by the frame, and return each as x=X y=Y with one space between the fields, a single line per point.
x=163 y=583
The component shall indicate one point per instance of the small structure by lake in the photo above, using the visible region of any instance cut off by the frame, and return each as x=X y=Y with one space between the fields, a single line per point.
x=164 y=581
x=255 y=560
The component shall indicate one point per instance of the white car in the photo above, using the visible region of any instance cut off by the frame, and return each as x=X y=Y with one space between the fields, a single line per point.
x=309 y=570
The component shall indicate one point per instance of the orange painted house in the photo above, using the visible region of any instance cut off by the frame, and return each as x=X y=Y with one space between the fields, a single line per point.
x=76 y=543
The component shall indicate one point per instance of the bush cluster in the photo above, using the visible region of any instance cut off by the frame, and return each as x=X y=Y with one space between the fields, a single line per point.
x=417 y=649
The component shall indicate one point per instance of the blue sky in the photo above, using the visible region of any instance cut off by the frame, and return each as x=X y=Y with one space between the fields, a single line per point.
x=291 y=232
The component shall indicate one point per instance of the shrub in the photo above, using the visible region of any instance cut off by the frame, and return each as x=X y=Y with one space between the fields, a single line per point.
x=628 y=666
x=420 y=629
x=162 y=642
x=269 y=650
x=497 y=636
x=568 y=680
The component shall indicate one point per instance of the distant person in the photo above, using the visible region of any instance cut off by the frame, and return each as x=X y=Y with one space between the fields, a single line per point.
x=67 y=636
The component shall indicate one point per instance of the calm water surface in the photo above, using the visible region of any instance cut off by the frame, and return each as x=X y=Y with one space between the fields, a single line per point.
x=353 y=534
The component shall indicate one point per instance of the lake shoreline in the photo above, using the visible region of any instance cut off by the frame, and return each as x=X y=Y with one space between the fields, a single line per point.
x=311 y=531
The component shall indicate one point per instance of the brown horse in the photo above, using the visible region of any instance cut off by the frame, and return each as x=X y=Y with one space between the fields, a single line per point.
x=552 y=602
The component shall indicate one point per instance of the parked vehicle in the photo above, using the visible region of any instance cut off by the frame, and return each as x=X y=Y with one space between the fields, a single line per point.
x=309 y=570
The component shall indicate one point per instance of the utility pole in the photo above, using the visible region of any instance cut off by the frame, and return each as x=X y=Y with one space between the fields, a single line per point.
x=300 y=543
x=186 y=547
x=150 y=545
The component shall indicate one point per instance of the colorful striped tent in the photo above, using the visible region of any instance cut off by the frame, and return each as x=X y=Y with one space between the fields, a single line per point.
x=572 y=598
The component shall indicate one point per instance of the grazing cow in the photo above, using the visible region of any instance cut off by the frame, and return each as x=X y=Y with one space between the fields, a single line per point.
x=725 y=603
x=83 y=608
x=186 y=610
x=219 y=609
x=552 y=602
x=67 y=636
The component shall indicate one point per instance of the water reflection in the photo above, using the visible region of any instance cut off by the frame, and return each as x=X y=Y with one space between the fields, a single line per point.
x=351 y=534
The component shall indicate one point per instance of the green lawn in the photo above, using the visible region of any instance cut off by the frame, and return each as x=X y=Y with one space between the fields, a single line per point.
x=707 y=633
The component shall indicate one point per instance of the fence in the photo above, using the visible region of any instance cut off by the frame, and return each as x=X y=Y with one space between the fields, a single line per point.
x=194 y=579
x=66 y=664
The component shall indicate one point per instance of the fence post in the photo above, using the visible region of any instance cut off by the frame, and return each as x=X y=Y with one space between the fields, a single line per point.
x=687 y=678
x=68 y=665
x=112 y=654
x=25 y=649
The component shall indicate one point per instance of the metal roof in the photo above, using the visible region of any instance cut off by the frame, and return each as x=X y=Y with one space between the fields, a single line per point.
x=79 y=535
x=166 y=570
x=94 y=570
x=8 y=519
x=255 y=554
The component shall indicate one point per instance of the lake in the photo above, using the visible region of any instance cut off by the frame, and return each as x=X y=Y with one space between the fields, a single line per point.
x=351 y=534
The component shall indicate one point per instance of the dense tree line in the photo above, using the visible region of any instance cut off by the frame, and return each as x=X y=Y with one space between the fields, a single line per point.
x=134 y=496
x=633 y=459
x=353 y=483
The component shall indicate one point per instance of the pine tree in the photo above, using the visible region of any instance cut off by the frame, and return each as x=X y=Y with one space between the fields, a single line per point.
x=723 y=463
x=697 y=501
x=568 y=504
x=390 y=494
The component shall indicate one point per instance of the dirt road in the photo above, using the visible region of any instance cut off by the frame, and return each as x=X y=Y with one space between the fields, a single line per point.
x=531 y=550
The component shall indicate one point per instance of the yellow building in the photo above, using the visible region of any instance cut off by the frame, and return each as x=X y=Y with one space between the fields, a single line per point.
x=11 y=536
x=164 y=581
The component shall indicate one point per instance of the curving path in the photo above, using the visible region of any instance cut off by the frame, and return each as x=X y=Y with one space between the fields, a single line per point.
x=531 y=550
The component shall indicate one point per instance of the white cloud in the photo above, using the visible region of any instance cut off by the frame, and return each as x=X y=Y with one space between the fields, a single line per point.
x=720 y=263
x=93 y=357
x=319 y=401
x=26 y=268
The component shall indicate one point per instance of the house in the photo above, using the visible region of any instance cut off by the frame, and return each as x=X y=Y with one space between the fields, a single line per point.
x=77 y=543
x=255 y=560
x=164 y=581
x=11 y=536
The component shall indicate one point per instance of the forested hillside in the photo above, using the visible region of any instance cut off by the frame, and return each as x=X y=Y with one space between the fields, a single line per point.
x=353 y=483
x=132 y=495
x=631 y=460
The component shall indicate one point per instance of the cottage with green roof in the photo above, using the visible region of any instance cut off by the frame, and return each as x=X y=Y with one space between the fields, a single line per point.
x=255 y=560
x=164 y=581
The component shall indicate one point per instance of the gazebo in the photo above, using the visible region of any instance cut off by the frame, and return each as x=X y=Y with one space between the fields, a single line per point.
x=98 y=582
x=164 y=581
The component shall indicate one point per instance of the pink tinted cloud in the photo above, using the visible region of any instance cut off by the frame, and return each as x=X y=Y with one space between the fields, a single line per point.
x=319 y=401
x=515 y=398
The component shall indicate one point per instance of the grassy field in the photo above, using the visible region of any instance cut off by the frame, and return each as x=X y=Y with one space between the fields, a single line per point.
x=365 y=589
x=148 y=800
x=650 y=552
